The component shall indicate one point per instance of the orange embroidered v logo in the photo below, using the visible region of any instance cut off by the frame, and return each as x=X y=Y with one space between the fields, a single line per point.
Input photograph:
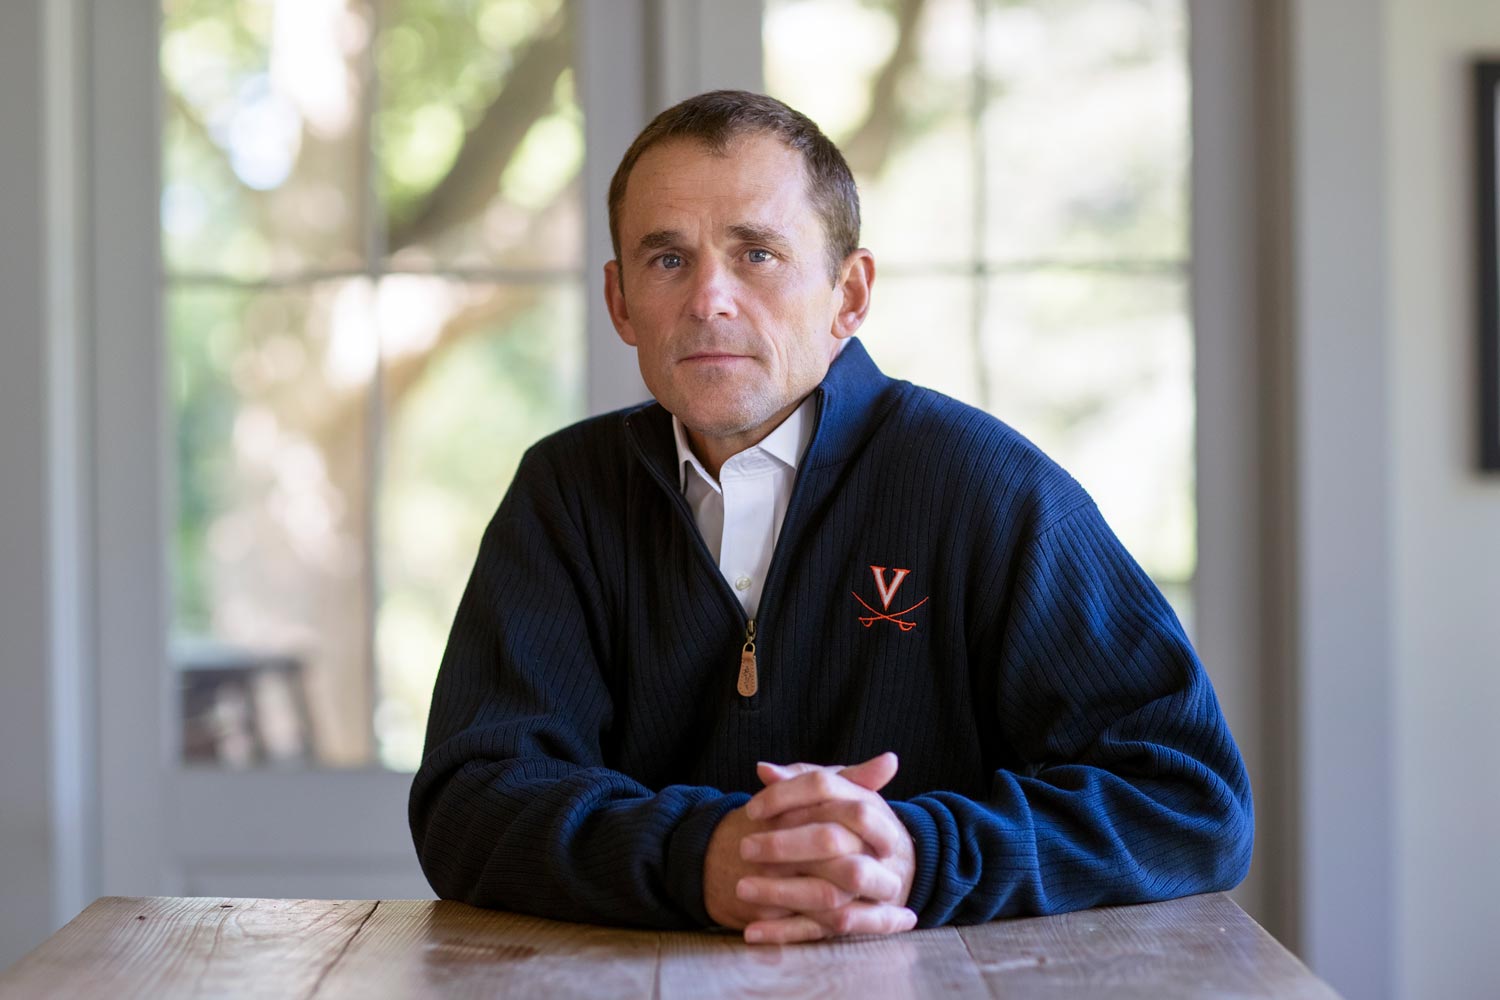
x=887 y=591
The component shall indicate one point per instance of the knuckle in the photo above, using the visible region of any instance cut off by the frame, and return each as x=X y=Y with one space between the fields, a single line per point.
x=865 y=877
x=844 y=871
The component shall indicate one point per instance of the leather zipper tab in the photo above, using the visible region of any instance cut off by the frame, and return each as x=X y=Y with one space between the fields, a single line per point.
x=749 y=681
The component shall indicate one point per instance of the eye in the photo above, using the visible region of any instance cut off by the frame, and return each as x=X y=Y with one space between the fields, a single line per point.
x=758 y=256
x=669 y=261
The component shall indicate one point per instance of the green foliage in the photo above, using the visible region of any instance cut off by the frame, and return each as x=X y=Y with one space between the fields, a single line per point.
x=442 y=62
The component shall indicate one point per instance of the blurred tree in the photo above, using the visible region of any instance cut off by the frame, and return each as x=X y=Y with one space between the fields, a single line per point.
x=275 y=588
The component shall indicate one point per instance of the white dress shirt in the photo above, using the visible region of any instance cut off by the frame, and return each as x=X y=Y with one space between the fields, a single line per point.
x=740 y=515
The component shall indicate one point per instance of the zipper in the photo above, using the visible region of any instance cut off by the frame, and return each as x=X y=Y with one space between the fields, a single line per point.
x=686 y=513
x=748 y=681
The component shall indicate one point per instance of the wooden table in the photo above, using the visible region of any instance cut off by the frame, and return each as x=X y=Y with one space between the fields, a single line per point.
x=1202 y=946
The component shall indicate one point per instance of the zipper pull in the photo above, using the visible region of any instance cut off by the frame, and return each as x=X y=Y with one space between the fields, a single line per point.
x=749 y=681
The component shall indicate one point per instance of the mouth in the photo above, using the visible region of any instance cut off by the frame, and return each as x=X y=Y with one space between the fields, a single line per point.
x=711 y=357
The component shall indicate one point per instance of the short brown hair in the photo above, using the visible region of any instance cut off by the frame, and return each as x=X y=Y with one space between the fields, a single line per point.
x=720 y=116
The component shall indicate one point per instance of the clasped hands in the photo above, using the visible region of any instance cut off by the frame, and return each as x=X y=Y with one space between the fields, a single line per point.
x=816 y=853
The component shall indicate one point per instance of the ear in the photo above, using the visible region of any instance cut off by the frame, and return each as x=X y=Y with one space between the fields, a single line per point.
x=856 y=279
x=614 y=299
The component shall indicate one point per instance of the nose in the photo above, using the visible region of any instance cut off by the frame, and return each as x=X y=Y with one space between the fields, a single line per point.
x=711 y=295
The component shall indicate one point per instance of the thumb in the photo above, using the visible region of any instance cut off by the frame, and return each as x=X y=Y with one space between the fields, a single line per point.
x=875 y=773
x=770 y=773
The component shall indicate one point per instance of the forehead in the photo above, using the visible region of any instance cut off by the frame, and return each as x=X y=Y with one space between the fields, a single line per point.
x=682 y=182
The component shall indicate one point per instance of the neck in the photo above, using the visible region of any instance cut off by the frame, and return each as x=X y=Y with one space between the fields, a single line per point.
x=713 y=452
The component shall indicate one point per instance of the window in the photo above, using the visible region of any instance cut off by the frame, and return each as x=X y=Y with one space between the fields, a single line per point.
x=373 y=285
x=1023 y=170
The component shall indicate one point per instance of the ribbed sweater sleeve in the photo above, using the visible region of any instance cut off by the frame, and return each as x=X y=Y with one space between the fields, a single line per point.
x=512 y=806
x=1133 y=789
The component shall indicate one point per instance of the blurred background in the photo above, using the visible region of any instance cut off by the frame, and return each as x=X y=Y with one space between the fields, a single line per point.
x=291 y=285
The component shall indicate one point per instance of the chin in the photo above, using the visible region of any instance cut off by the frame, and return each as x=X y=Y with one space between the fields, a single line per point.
x=716 y=424
x=722 y=420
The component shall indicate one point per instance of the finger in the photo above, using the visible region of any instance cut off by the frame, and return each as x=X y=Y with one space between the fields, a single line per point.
x=770 y=773
x=803 y=790
x=815 y=842
x=874 y=773
x=868 y=818
x=858 y=875
x=788 y=930
x=865 y=918
x=799 y=893
x=755 y=913
x=856 y=918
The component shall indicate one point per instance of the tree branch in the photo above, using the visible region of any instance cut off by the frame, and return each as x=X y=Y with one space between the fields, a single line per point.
x=869 y=147
x=489 y=146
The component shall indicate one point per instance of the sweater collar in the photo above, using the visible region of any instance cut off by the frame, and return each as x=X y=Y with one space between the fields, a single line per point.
x=852 y=400
x=847 y=404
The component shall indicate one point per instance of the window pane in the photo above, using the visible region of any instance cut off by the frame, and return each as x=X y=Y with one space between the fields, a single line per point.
x=472 y=376
x=1037 y=270
x=271 y=391
x=1085 y=130
x=334 y=434
x=479 y=136
x=922 y=329
x=898 y=105
x=1097 y=370
x=262 y=158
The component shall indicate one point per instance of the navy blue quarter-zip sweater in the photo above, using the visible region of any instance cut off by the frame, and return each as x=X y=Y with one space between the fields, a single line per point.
x=940 y=588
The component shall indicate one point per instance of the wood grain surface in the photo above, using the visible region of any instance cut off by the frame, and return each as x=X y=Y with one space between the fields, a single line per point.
x=422 y=948
x=167 y=947
x=928 y=963
x=1202 y=946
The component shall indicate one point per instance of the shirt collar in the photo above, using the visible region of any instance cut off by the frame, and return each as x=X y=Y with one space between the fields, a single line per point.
x=787 y=443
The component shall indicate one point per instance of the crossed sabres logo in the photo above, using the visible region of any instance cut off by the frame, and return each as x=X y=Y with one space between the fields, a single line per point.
x=887 y=593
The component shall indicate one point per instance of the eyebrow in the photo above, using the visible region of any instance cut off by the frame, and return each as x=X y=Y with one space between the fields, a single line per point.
x=745 y=232
x=749 y=232
x=657 y=240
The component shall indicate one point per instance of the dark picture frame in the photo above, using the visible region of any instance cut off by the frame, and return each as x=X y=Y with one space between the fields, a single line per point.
x=1487 y=108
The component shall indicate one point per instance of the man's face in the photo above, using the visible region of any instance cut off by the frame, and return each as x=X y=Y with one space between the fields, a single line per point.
x=727 y=295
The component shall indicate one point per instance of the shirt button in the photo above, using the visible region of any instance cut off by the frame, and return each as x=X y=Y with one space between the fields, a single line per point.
x=743 y=583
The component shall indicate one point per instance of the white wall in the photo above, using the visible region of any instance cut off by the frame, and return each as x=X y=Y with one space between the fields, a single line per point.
x=1446 y=515
x=1339 y=533
x=26 y=856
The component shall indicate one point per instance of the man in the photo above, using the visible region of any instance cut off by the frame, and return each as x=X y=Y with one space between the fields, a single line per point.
x=797 y=649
